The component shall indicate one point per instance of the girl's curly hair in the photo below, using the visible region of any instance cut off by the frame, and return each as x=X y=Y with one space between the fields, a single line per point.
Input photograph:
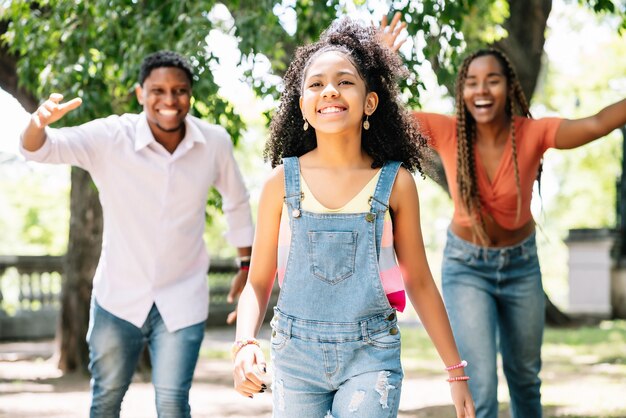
x=392 y=135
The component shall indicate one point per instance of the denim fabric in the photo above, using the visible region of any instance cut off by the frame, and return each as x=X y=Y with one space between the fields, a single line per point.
x=335 y=344
x=114 y=349
x=495 y=302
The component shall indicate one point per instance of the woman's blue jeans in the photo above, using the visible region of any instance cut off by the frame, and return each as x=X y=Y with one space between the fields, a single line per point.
x=114 y=349
x=495 y=302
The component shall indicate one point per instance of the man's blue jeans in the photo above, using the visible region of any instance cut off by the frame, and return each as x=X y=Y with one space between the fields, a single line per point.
x=495 y=302
x=114 y=349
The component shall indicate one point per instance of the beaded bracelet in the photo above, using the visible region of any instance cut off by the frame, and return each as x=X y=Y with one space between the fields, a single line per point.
x=462 y=364
x=239 y=344
x=457 y=379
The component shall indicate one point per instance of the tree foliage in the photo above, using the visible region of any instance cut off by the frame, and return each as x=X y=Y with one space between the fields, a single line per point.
x=93 y=50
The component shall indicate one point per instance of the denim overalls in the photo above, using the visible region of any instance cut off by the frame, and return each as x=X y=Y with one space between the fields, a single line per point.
x=335 y=343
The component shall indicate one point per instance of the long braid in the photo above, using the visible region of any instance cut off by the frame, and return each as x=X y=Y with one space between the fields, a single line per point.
x=466 y=163
x=466 y=136
x=517 y=105
x=517 y=179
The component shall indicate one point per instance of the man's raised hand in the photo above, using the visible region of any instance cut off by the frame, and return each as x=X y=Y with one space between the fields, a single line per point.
x=52 y=110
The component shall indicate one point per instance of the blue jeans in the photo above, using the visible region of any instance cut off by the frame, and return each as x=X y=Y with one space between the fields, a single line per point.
x=114 y=349
x=495 y=302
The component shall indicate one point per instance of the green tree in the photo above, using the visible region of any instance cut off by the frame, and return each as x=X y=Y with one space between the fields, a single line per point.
x=93 y=50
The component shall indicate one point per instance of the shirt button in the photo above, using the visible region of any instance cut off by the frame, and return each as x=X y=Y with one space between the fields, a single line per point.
x=370 y=217
x=273 y=333
x=295 y=213
x=391 y=317
x=393 y=331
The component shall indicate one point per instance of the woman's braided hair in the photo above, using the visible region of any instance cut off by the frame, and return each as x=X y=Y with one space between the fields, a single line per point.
x=466 y=135
x=392 y=134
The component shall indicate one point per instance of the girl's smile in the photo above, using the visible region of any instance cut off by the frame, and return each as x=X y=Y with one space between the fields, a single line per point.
x=334 y=95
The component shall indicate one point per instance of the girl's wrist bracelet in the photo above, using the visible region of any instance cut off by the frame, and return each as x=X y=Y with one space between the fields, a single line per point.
x=239 y=344
x=457 y=379
x=461 y=365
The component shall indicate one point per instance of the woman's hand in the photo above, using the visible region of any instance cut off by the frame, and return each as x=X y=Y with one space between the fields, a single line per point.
x=249 y=365
x=388 y=33
x=462 y=400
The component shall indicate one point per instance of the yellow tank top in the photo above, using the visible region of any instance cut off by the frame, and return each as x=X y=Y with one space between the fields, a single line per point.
x=358 y=204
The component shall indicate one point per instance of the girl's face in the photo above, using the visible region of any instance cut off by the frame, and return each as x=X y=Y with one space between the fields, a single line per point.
x=485 y=89
x=334 y=97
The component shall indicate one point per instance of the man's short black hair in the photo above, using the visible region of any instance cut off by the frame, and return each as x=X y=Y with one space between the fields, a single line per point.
x=164 y=59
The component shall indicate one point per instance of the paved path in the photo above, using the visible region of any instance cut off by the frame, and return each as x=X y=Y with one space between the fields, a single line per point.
x=31 y=386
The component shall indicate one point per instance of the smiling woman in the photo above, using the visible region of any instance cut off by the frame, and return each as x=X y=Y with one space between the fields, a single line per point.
x=492 y=151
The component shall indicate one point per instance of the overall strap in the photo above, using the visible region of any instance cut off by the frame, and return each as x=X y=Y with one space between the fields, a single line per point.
x=380 y=200
x=379 y=203
x=293 y=193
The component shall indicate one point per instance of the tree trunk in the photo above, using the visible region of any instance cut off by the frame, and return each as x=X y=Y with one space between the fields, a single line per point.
x=8 y=75
x=80 y=264
x=527 y=35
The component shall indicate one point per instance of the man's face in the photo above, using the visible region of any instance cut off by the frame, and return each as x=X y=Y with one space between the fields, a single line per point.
x=165 y=96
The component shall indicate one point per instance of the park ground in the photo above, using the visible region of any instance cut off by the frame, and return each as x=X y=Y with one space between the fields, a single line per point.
x=584 y=376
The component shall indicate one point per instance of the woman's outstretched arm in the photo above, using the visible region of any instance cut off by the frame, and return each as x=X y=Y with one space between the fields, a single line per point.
x=573 y=133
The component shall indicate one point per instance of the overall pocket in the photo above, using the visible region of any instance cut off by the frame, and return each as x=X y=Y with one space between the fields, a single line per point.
x=332 y=254
x=278 y=340
x=387 y=339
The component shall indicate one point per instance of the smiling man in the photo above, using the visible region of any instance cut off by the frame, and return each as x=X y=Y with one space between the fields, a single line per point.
x=153 y=171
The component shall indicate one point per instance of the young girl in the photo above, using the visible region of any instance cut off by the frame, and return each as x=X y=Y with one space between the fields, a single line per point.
x=325 y=219
x=491 y=152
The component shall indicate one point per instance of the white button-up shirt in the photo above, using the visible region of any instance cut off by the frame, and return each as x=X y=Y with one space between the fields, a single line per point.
x=154 y=211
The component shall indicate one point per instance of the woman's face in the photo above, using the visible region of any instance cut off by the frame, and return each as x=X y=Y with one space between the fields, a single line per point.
x=485 y=90
x=334 y=97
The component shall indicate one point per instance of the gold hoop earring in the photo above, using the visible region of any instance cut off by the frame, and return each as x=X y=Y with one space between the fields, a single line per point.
x=366 y=122
x=306 y=125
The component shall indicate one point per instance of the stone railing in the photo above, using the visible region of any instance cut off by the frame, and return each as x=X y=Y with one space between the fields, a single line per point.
x=30 y=294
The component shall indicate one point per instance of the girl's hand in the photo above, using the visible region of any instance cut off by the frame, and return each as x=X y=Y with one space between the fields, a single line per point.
x=249 y=366
x=462 y=400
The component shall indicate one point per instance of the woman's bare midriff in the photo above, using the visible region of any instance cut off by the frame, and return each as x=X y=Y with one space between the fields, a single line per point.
x=498 y=236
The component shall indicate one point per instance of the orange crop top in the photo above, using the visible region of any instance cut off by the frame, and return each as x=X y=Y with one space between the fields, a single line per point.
x=498 y=197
